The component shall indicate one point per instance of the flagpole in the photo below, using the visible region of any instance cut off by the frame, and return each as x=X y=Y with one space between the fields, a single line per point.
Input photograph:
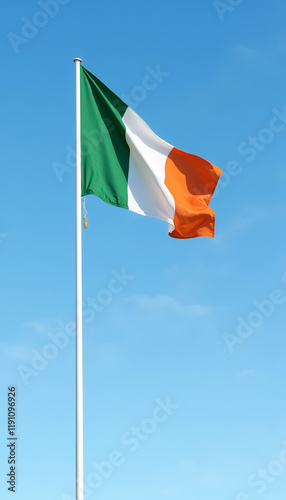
x=79 y=367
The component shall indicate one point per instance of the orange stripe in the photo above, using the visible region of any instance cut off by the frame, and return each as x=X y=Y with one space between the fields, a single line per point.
x=191 y=181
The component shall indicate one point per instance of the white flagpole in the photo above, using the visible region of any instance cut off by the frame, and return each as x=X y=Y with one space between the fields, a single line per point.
x=79 y=368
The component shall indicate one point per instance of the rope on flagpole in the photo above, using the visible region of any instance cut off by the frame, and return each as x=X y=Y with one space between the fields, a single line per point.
x=84 y=213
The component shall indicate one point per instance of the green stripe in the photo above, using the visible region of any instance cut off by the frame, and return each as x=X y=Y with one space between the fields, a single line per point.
x=105 y=152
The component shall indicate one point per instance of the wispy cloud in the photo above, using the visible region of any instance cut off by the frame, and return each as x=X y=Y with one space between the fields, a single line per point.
x=237 y=227
x=43 y=327
x=171 y=492
x=248 y=53
x=251 y=54
x=260 y=213
x=167 y=302
x=15 y=351
x=32 y=335
x=245 y=373
x=251 y=216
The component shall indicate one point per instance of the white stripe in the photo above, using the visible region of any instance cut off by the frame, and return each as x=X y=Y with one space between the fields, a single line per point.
x=147 y=193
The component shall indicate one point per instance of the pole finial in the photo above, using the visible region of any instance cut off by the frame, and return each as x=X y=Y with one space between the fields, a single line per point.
x=77 y=59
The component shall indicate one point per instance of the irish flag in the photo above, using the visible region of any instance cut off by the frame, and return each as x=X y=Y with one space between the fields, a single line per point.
x=127 y=165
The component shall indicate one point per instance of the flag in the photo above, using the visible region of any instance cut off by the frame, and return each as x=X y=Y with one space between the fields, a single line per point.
x=127 y=165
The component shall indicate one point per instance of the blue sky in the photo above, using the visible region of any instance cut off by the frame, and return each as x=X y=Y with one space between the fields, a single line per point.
x=184 y=364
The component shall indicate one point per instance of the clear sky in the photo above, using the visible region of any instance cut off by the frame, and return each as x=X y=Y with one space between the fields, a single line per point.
x=184 y=341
